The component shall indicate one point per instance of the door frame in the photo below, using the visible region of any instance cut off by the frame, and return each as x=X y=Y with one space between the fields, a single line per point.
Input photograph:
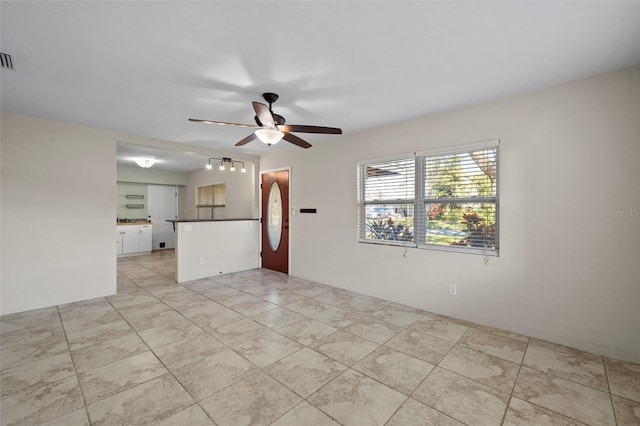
x=291 y=210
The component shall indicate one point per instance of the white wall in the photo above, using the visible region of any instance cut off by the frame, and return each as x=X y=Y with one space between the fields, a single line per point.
x=208 y=249
x=58 y=210
x=152 y=176
x=241 y=191
x=58 y=213
x=567 y=271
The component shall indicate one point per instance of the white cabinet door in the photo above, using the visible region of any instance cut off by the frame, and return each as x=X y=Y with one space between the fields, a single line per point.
x=130 y=239
x=145 y=235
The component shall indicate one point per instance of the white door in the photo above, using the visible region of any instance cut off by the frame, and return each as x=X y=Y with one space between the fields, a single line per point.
x=162 y=206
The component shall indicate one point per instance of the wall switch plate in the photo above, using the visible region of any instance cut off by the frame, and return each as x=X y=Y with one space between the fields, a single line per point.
x=452 y=289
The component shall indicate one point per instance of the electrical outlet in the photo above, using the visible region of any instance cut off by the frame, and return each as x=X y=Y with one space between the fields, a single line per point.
x=202 y=260
x=452 y=289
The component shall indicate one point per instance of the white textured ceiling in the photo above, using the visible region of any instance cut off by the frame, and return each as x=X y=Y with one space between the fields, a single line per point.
x=145 y=67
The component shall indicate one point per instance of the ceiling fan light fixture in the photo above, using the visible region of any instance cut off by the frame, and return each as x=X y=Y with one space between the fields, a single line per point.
x=269 y=136
x=145 y=163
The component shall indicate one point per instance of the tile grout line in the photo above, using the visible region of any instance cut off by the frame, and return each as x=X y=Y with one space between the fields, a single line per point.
x=169 y=371
x=363 y=316
x=613 y=405
x=515 y=382
x=75 y=370
x=196 y=401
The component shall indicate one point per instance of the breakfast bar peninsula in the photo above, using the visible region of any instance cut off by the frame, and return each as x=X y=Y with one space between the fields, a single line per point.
x=211 y=247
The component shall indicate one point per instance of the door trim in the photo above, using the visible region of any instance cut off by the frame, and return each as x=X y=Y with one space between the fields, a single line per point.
x=291 y=209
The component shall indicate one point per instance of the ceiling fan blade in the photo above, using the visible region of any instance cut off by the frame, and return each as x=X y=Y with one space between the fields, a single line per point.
x=264 y=115
x=246 y=140
x=289 y=137
x=223 y=123
x=309 y=129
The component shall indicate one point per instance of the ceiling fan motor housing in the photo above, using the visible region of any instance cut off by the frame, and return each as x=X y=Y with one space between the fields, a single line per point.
x=277 y=118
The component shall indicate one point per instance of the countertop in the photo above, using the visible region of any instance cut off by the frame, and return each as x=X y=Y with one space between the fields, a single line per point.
x=207 y=220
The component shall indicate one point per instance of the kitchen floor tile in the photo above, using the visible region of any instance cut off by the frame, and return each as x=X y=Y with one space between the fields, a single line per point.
x=521 y=413
x=427 y=348
x=354 y=399
x=344 y=347
x=305 y=414
x=99 y=334
x=461 y=398
x=486 y=369
x=305 y=371
x=185 y=351
x=111 y=379
x=307 y=331
x=395 y=369
x=396 y=316
x=276 y=318
x=93 y=356
x=213 y=373
x=624 y=378
x=191 y=416
x=39 y=404
x=37 y=374
x=288 y=351
x=568 y=363
x=267 y=348
x=337 y=317
x=376 y=331
x=413 y=413
x=442 y=327
x=257 y=399
x=485 y=340
x=570 y=399
x=627 y=411
x=146 y=403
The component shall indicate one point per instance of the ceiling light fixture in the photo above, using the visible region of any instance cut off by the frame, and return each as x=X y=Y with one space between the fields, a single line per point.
x=224 y=161
x=145 y=163
x=269 y=136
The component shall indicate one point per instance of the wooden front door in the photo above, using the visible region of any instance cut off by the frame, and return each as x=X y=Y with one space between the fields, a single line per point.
x=275 y=221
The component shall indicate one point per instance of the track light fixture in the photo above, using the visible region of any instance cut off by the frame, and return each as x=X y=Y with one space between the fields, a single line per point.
x=224 y=162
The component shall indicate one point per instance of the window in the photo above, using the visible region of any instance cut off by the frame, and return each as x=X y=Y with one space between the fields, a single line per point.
x=445 y=199
x=387 y=200
x=210 y=201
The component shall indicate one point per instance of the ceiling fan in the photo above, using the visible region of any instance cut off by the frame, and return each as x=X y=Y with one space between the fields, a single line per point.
x=271 y=128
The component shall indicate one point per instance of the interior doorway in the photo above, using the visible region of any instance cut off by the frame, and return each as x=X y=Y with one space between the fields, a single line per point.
x=162 y=206
x=275 y=220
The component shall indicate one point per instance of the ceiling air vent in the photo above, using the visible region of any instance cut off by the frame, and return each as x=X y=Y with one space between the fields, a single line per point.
x=6 y=60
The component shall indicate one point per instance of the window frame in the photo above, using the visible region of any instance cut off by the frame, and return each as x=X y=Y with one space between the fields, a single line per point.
x=420 y=200
x=220 y=208
x=363 y=203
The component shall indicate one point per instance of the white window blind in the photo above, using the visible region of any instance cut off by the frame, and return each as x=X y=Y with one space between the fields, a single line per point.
x=445 y=199
x=386 y=204
x=210 y=201
x=460 y=199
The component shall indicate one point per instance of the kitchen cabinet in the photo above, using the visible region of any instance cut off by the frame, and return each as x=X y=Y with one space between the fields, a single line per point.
x=133 y=239
x=145 y=238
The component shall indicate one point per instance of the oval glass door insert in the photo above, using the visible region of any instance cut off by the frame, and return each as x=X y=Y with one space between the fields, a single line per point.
x=274 y=216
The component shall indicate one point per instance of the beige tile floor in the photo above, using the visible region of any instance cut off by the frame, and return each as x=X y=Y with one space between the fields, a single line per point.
x=259 y=348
